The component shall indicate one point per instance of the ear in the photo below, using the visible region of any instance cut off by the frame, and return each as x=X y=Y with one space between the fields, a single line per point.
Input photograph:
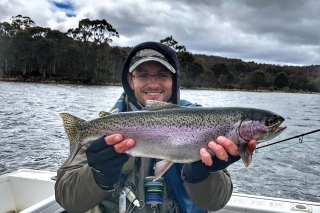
x=130 y=81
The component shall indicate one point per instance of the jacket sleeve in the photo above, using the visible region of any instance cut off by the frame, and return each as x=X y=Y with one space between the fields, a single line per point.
x=213 y=193
x=75 y=188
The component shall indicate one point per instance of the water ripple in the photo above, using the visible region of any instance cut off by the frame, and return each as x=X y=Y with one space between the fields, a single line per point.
x=32 y=135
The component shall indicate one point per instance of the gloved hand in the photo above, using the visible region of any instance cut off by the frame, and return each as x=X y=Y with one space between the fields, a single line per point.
x=197 y=171
x=106 y=163
x=225 y=152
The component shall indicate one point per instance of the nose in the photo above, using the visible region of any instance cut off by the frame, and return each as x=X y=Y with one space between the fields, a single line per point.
x=153 y=79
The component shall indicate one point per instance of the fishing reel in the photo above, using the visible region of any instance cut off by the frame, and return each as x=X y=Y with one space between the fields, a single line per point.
x=153 y=194
x=153 y=191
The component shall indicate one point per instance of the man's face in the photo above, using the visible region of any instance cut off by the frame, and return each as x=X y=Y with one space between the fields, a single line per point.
x=157 y=87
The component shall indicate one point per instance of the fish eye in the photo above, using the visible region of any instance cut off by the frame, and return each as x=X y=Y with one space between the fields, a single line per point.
x=271 y=121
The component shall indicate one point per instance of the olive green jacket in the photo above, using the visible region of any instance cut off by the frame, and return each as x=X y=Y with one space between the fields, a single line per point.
x=77 y=191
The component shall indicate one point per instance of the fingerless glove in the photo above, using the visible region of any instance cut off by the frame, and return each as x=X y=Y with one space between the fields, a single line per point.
x=106 y=163
x=197 y=171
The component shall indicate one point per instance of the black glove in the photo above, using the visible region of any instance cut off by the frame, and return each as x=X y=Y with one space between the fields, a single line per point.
x=197 y=171
x=106 y=163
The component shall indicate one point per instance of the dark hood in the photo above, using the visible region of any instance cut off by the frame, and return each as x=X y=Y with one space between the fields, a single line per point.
x=170 y=55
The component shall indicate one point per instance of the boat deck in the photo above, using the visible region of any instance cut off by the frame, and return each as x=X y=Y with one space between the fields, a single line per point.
x=27 y=191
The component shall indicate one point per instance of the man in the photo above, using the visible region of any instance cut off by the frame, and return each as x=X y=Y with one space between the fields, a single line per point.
x=100 y=171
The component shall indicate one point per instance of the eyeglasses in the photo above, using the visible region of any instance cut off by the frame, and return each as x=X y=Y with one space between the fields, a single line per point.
x=146 y=78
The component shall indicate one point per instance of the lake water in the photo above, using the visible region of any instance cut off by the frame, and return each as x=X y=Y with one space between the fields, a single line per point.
x=32 y=134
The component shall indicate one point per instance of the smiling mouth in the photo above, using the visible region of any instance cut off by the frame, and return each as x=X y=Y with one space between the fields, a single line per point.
x=153 y=93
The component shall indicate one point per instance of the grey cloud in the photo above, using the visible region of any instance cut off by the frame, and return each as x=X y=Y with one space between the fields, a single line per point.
x=284 y=32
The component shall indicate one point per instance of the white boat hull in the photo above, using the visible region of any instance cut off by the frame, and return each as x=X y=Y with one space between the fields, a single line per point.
x=27 y=191
x=261 y=204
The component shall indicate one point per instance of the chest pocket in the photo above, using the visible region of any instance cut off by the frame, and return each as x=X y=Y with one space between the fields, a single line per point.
x=133 y=173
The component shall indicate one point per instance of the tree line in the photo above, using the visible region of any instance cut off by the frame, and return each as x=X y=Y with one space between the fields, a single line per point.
x=84 y=55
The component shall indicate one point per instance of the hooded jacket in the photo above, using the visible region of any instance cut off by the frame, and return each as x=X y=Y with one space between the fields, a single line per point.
x=169 y=54
x=77 y=191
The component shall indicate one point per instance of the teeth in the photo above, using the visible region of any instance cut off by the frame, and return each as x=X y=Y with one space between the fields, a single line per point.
x=153 y=93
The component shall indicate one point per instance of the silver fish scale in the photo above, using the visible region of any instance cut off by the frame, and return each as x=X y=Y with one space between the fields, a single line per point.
x=175 y=134
x=181 y=117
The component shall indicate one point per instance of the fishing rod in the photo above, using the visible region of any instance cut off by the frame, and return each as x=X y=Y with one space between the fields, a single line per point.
x=297 y=136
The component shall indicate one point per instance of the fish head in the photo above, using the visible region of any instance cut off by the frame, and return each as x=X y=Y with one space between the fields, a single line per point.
x=261 y=126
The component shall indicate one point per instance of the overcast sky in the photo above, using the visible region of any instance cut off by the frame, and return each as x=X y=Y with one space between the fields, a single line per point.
x=285 y=32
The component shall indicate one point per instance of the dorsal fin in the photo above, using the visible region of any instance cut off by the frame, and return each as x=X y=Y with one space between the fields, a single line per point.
x=70 y=123
x=158 y=105
x=104 y=113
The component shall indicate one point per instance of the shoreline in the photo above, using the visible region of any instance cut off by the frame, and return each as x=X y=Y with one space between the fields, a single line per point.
x=77 y=82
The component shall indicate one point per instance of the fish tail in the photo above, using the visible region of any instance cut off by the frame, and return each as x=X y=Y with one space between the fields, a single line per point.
x=70 y=123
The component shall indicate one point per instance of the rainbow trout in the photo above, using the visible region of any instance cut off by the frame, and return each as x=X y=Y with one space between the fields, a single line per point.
x=175 y=134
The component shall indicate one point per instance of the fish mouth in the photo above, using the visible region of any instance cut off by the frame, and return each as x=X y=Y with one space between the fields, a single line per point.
x=274 y=122
x=279 y=130
x=275 y=131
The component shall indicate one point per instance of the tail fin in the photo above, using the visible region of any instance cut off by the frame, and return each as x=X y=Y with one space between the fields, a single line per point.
x=70 y=123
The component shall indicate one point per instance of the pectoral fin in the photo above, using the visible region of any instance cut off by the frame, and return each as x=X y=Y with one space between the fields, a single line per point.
x=245 y=154
x=161 y=168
